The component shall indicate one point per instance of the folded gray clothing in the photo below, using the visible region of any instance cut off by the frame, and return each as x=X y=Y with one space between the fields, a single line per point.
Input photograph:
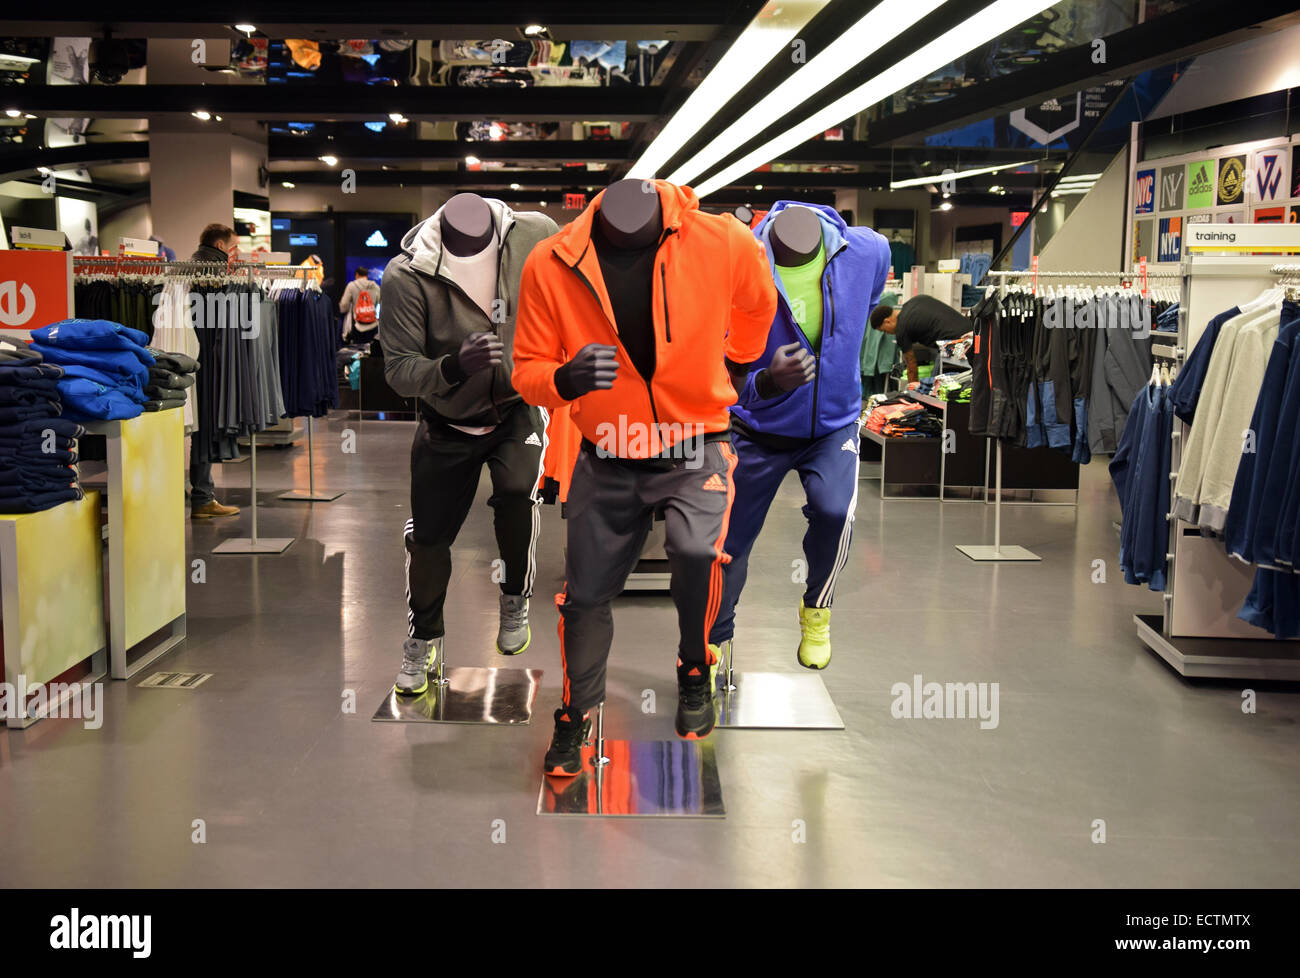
x=169 y=378
x=163 y=405
x=13 y=351
x=154 y=392
x=176 y=362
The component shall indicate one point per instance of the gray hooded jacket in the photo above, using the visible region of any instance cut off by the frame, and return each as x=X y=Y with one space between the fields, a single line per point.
x=424 y=316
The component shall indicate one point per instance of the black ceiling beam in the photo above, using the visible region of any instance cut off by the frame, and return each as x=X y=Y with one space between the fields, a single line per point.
x=677 y=20
x=355 y=149
x=1198 y=27
x=557 y=179
x=89 y=154
x=337 y=101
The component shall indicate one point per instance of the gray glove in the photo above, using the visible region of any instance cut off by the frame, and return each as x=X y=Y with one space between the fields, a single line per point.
x=478 y=352
x=791 y=367
x=593 y=369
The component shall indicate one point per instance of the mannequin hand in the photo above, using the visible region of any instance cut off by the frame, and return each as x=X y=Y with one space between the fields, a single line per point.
x=791 y=366
x=478 y=352
x=593 y=369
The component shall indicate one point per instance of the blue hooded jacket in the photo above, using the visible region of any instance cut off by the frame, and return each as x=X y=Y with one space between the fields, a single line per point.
x=857 y=265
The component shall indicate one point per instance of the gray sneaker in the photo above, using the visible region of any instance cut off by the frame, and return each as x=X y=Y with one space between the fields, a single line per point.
x=514 y=634
x=418 y=657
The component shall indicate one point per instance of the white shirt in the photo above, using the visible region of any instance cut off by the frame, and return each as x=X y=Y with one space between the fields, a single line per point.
x=477 y=275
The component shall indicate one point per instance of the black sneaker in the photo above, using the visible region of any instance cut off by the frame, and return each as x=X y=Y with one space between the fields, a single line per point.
x=695 y=714
x=564 y=759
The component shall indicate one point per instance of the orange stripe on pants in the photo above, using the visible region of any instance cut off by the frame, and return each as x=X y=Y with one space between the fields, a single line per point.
x=715 y=572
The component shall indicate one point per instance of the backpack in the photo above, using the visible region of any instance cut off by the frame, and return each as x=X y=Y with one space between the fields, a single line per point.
x=364 y=310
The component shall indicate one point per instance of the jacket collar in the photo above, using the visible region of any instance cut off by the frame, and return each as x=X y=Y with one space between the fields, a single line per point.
x=574 y=240
x=424 y=241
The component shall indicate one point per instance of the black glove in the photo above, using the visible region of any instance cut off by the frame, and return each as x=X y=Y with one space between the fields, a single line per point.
x=478 y=352
x=593 y=369
x=791 y=367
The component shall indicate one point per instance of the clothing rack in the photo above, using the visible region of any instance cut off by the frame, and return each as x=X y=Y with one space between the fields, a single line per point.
x=1198 y=632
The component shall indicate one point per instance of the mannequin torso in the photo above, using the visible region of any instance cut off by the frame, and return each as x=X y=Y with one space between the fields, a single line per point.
x=626 y=235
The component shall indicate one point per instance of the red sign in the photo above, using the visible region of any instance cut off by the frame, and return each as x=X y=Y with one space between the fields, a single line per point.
x=1034 y=267
x=575 y=202
x=35 y=291
x=1142 y=273
x=1018 y=218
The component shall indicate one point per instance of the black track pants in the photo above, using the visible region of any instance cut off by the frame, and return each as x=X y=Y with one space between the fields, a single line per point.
x=445 y=469
x=610 y=510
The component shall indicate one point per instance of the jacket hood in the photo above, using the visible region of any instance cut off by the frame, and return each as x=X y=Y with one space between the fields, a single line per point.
x=834 y=230
x=423 y=243
x=674 y=203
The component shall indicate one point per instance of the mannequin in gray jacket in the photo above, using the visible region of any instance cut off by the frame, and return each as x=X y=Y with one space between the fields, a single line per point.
x=446 y=326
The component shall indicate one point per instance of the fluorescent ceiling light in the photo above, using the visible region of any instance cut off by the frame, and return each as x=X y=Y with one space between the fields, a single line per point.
x=980 y=28
x=888 y=19
x=1081 y=176
x=1070 y=190
x=770 y=32
x=954 y=175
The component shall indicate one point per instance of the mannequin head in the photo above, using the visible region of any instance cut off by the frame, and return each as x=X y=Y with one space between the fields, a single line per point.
x=796 y=236
x=466 y=224
x=630 y=215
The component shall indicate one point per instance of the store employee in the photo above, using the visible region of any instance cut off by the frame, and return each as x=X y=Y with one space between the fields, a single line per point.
x=921 y=323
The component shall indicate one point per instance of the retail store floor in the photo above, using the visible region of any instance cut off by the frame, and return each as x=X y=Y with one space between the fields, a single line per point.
x=1094 y=733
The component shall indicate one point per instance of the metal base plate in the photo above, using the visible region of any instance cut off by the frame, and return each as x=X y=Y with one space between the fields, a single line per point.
x=776 y=701
x=303 y=496
x=472 y=695
x=650 y=574
x=981 y=551
x=247 y=545
x=644 y=778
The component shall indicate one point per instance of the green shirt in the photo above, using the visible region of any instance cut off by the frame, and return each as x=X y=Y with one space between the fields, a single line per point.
x=803 y=287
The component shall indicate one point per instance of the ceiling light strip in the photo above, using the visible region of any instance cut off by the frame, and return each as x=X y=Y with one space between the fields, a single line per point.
x=878 y=28
x=980 y=28
x=955 y=175
x=770 y=32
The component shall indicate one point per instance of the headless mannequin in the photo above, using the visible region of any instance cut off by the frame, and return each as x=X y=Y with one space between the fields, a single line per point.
x=471 y=262
x=626 y=234
x=796 y=236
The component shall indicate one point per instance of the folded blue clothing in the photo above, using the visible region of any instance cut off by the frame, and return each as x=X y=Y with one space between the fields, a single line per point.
x=60 y=426
x=16 y=413
x=115 y=363
x=16 y=501
x=35 y=442
x=53 y=476
x=37 y=456
x=126 y=385
x=86 y=400
x=33 y=392
x=21 y=373
x=93 y=334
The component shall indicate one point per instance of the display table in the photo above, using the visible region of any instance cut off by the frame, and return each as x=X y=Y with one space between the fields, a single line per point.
x=53 y=597
x=146 y=537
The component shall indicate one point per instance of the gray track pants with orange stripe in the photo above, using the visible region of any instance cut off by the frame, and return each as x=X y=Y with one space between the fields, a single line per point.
x=611 y=507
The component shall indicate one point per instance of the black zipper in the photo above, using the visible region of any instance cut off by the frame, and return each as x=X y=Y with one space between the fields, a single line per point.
x=663 y=294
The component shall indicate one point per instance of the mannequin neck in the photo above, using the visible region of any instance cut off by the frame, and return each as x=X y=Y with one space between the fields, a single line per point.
x=796 y=237
x=466 y=225
x=630 y=218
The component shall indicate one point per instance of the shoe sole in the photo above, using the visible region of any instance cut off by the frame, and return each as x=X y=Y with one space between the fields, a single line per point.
x=693 y=735
x=815 y=668
x=212 y=516
x=412 y=692
x=559 y=772
x=522 y=649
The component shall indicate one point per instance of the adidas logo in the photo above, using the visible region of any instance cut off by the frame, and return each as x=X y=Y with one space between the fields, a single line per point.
x=533 y=440
x=715 y=483
x=848 y=446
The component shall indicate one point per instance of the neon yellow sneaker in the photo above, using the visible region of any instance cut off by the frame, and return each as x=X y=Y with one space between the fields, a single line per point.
x=717 y=658
x=815 y=645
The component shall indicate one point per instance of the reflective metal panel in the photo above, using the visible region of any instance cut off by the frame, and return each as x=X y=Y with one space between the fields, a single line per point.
x=472 y=695
x=644 y=778
x=777 y=701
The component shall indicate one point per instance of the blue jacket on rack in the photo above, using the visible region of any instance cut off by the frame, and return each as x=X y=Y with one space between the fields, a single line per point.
x=857 y=265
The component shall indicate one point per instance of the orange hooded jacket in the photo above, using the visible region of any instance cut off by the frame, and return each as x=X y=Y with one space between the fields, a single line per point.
x=712 y=297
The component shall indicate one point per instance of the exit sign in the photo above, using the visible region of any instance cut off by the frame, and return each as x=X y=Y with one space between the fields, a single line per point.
x=1018 y=218
x=575 y=202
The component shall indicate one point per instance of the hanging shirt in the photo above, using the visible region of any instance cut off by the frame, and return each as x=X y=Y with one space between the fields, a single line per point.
x=803 y=290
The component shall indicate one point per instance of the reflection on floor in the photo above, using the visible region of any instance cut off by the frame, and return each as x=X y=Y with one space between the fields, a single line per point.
x=293 y=790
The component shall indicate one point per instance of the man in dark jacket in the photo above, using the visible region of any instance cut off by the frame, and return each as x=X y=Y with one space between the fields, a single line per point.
x=216 y=244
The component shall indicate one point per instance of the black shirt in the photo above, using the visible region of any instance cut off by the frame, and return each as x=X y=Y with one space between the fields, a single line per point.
x=924 y=321
x=629 y=280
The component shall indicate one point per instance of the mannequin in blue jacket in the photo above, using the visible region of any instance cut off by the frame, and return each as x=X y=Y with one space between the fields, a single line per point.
x=800 y=406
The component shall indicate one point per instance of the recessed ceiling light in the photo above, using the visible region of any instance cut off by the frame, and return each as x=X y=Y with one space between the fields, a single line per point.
x=945 y=206
x=946 y=196
x=758 y=186
x=472 y=161
x=13 y=113
x=994 y=189
x=217 y=117
x=397 y=117
x=516 y=186
x=246 y=28
x=533 y=29
x=202 y=114
x=286 y=184
x=328 y=160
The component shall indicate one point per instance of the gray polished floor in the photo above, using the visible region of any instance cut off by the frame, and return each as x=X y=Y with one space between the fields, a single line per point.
x=293 y=790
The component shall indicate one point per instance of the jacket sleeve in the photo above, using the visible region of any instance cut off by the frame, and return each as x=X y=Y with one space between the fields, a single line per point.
x=349 y=296
x=538 y=349
x=753 y=297
x=402 y=335
x=882 y=273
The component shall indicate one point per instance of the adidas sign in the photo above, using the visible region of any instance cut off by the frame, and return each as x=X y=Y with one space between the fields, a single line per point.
x=533 y=440
x=1201 y=182
x=848 y=446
